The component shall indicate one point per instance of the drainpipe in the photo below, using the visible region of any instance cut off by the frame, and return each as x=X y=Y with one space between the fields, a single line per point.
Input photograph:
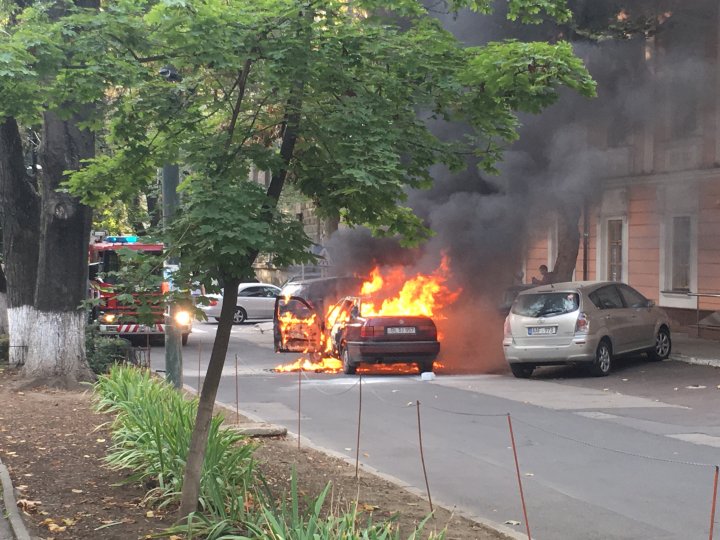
x=586 y=238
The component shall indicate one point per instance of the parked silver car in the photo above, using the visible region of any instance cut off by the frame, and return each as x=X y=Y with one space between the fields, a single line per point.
x=255 y=301
x=588 y=322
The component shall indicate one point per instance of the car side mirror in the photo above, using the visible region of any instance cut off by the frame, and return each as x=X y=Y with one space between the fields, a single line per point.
x=650 y=304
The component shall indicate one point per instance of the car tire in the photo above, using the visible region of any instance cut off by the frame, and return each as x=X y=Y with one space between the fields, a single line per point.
x=217 y=319
x=522 y=371
x=602 y=364
x=425 y=366
x=240 y=315
x=185 y=338
x=663 y=345
x=348 y=367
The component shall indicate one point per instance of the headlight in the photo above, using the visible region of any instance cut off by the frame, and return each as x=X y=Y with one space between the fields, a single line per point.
x=183 y=318
x=107 y=317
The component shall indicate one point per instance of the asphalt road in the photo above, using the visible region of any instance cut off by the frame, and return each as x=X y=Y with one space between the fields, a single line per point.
x=629 y=456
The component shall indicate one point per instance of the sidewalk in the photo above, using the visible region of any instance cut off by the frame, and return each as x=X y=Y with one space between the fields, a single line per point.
x=695 y=350
x=11 y=523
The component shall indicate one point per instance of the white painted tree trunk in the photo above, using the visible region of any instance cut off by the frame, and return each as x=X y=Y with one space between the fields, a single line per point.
x=20 y=320
x=56 y=346
x=3 y=314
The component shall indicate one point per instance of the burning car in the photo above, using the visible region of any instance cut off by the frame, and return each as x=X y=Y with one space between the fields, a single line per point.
x=380 y=338
x=386 y=319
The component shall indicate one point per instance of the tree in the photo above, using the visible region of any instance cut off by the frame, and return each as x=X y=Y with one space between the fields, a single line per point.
x=46 y=230
x=323 y=93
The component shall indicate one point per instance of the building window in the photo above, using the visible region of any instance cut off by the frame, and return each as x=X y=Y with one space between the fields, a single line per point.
x=681 y=250
x=614 y=249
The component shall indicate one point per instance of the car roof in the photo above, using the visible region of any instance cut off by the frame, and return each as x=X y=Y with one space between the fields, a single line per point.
x=569 y=286
x=256 y=284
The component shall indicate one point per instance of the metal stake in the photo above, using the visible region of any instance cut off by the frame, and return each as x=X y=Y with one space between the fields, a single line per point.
x=422 y=456
x=517 y=470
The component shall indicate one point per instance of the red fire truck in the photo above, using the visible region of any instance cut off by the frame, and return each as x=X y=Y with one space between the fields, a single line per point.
x=116 y=318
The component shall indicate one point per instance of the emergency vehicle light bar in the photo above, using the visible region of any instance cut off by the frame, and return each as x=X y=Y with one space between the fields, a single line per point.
x=121 y=239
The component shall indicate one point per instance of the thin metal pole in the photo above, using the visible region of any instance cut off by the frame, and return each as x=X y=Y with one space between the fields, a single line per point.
x=517 y=470
x=357 y=442
x=422 y=456
x=714 y=501
x=237 y=393
x=199 y=358
x=299 y=401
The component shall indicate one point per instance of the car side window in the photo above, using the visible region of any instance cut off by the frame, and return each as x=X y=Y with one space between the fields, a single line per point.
x=607 y=298
x=269 y=292
x=252 y=291
x=633 y=298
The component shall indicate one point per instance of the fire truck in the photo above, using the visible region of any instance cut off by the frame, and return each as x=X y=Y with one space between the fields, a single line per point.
x=117 y=318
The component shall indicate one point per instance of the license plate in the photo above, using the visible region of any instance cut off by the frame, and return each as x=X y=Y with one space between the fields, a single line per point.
x=542 y=330
x=401 y=330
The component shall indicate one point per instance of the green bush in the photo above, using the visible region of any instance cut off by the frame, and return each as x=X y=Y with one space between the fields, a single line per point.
x=103 y=352
x=4 y=348
x=151 y=436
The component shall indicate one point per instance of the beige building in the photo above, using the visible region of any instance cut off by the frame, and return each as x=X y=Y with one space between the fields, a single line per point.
x=656 y=222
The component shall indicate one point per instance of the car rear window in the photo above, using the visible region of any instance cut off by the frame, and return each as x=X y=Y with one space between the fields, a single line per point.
x=546 y=304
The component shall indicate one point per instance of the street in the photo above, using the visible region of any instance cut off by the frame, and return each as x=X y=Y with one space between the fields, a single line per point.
x=628 y=456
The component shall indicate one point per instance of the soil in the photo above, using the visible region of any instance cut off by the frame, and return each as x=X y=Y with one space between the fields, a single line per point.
x=53 y=444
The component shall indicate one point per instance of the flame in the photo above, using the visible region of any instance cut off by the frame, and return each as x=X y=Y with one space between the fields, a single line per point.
x=420 y=295
x=386 y=292
x=326 y=365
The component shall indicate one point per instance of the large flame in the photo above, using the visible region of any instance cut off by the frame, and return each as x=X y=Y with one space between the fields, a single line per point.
x=386 y=292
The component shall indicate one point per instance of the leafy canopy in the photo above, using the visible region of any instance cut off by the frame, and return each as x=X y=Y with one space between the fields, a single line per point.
x=330 y=95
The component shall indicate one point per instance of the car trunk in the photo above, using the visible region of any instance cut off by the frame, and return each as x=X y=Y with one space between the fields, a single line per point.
x=544 y=319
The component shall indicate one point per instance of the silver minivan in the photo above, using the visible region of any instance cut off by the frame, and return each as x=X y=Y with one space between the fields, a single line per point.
x=582 y=322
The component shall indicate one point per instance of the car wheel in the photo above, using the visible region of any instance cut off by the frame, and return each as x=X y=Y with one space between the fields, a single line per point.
x=185 y=338
x=603 y=359
x=240 y=315
x=348 y=367
x=425 y=366
x=217 y=319
x=522 y=371
x=663 y=345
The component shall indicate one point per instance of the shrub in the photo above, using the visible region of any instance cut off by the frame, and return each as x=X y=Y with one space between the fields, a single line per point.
x=4 y=348
x=151 y=436
x=102 y=352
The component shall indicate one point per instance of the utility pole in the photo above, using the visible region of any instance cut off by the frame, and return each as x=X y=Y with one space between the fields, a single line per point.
x=173 y=336
x=170 y=181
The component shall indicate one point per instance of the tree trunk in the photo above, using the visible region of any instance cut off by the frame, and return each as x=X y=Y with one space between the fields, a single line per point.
x=198 y=442
x=57 y=348
x=20 y=206
x=568 y=242
x=3 y=303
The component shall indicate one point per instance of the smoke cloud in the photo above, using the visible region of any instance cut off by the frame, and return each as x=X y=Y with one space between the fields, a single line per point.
x=481 y=222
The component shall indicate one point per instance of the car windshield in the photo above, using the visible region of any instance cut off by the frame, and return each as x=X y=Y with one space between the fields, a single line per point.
x=546 y=304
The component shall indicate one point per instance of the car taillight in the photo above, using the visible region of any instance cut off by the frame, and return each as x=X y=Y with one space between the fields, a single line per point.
x=367 y=331
x=506 y=328
x=582 y=326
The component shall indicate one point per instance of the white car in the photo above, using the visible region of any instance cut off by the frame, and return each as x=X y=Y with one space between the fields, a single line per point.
x=255 y=301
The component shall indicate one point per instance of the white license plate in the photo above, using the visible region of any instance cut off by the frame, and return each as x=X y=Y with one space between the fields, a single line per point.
x=542 y=330
x=401 y=330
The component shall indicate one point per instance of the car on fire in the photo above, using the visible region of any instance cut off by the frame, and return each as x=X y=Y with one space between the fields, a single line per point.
x=586 y=322
x=255 y=301
x=386 y=339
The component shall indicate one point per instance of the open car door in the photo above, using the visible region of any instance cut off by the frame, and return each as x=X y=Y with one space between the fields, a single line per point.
x=297 y=325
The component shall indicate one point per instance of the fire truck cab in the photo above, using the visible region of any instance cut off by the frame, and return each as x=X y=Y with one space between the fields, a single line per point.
x=116 y=318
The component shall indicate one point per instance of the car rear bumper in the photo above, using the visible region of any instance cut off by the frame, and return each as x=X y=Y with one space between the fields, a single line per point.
x=393 y=351
x=579 y=350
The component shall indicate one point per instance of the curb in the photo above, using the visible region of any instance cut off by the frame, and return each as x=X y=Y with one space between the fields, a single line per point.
x=679 y=357
x=13 y=514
